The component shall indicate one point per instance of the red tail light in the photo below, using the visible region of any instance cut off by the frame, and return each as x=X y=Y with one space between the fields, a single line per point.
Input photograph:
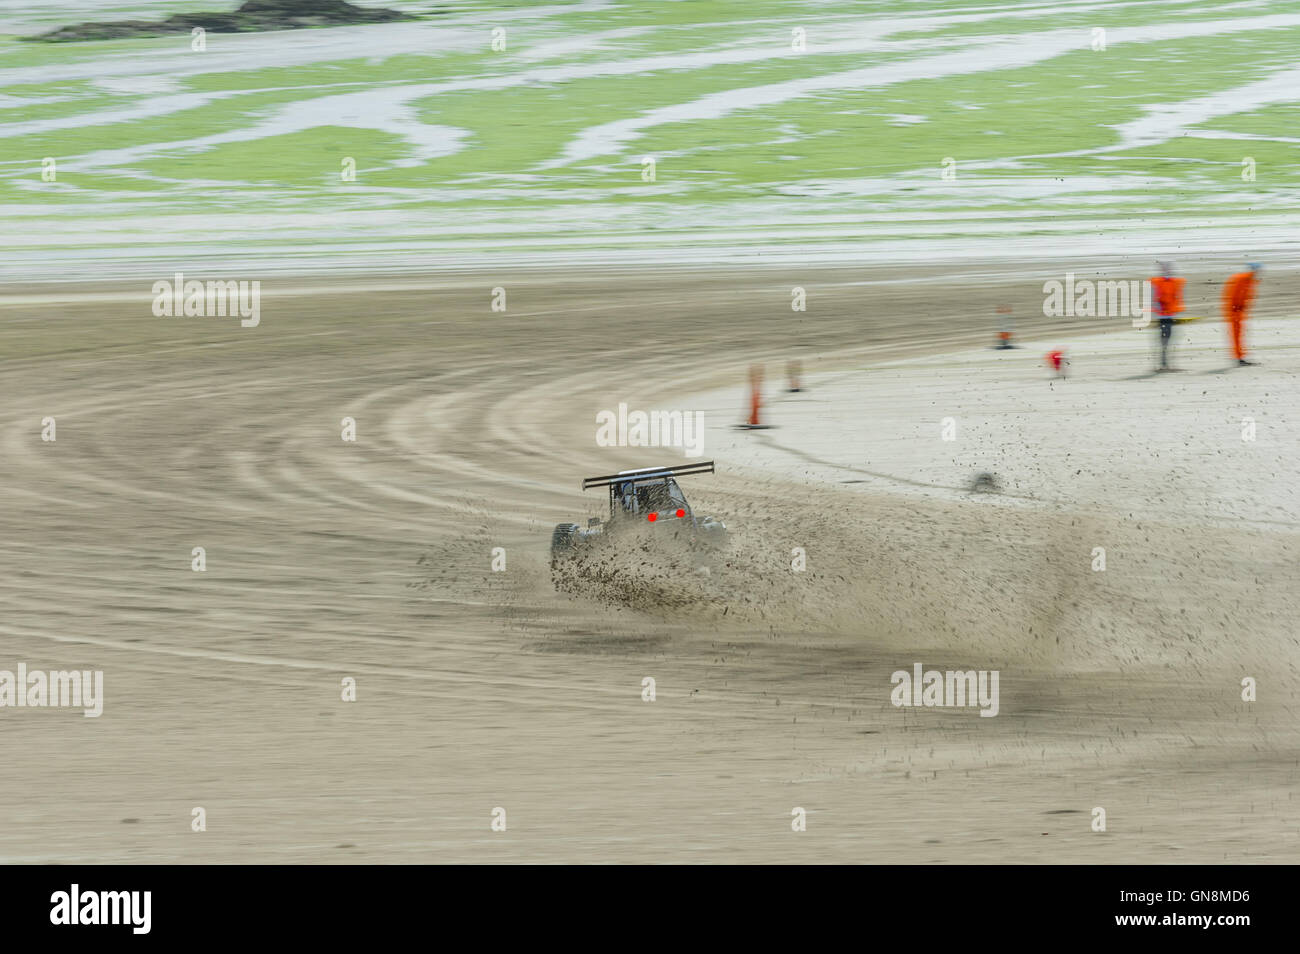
x=653 y=517
x=681 y=513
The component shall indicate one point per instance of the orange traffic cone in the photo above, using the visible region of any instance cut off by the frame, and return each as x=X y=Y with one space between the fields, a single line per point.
x=755 y=400
x=1006 y=336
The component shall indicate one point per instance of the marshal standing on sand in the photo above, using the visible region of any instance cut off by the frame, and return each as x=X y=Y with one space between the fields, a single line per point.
x=1238 y=293
x=1167 y=292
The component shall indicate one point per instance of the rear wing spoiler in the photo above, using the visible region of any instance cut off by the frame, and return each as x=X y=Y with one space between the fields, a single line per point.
x=703 y=467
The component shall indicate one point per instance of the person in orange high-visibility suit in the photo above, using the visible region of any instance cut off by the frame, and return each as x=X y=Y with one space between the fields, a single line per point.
x=1167 y=303
x=1238 y=293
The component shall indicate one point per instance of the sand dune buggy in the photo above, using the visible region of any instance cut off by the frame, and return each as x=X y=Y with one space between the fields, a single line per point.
x=649 y=497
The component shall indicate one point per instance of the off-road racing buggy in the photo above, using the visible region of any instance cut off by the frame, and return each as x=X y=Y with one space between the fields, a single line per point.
x=648 y=497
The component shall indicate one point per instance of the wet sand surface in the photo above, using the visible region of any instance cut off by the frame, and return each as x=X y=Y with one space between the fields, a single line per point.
x=371 y=560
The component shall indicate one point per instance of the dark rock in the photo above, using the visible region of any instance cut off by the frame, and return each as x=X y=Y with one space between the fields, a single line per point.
x=253 y=16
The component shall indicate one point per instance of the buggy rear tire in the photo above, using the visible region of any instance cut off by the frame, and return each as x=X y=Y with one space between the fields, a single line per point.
x=562 y=539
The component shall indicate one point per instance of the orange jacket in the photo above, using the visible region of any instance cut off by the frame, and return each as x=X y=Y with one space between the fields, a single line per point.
x=1238 y=293
x=1168 y=295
